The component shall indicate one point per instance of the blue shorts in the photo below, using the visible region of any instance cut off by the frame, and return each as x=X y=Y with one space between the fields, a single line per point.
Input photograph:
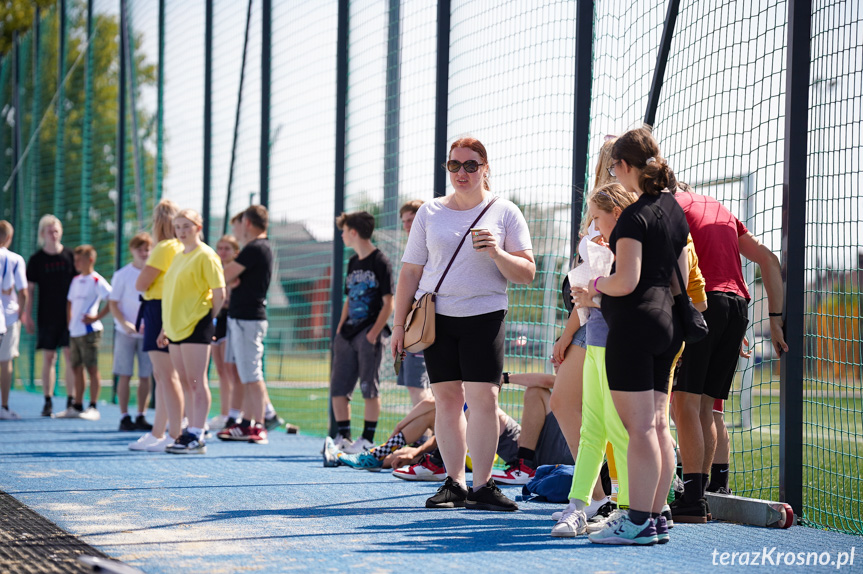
x=150 y=313
x=413 y=372
x=580 y=337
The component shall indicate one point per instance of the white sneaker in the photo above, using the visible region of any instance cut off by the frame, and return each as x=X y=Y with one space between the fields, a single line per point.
x=217 y=423
x=600 y=524
x=69 y=413
x=571 y=524
x=358 y=446
x=160 y=444
x=342 y=443
x=143 y=442
x=7 y=415
x=91 y=414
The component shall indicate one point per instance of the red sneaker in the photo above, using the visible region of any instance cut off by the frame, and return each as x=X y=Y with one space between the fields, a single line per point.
x=235 y=432
x=425 y=470
x=258 y=434
x=516 y=473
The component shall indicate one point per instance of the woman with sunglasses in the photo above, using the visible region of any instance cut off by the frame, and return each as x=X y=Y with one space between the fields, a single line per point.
x=644 y=335
x=465 y=363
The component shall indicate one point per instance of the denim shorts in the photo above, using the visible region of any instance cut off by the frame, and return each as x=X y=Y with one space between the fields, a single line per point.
x=580 y=337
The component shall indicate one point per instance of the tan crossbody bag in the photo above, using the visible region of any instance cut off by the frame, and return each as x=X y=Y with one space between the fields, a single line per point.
x=420 y=322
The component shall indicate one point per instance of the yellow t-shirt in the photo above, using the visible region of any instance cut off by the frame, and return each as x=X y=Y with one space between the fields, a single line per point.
x=188 y=290
x=160 y=258
x=695 y=289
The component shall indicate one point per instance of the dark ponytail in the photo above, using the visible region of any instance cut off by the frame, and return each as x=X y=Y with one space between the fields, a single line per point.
x=639 y=150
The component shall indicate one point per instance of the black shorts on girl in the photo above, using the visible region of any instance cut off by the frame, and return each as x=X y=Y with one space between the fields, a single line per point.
x=467 y=349
x=150 y=313
x=203 y=333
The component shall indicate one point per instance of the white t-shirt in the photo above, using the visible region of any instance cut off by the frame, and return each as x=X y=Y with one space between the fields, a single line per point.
x=13 y=278
x=473 y=285
x=85 y=294
x=123 y=291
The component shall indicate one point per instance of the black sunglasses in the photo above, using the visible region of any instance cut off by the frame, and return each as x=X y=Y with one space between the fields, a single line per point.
x=470 y=165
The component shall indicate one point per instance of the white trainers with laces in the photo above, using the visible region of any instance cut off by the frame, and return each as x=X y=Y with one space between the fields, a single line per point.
x=358 y=446
x=142 y=443
x=572 y=523
x=7 y=415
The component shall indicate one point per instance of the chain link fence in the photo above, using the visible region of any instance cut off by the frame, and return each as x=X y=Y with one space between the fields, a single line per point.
x=109 y=105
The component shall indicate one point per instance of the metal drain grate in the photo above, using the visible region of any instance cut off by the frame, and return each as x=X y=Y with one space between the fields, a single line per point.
x=32 y=544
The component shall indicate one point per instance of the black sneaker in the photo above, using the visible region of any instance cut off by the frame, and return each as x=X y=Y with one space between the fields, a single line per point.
x=449 y=495
x=142 y=424
x=721 y=490
x=489 y=497
x=126 y=424
x=273 y=422
x=603 y=511
x=48 y=409
x=687 y=513
x=291 y=429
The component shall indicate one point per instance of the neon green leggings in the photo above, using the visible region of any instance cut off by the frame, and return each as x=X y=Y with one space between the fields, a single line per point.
x=600 y=424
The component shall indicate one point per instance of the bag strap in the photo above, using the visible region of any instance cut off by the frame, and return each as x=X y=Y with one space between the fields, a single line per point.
x=659 y=216
x=457 y=249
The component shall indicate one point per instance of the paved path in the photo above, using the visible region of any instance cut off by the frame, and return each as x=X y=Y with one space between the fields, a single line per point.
x=272 y=508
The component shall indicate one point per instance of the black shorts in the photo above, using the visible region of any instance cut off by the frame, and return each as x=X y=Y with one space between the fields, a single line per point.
x=52 y=336
x=708 y=366
x=203 y=333
x=467 y=349
x=150 y=313
x=640 y=355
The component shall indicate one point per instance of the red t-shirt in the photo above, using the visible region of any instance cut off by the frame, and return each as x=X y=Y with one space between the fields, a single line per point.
x=715 y=232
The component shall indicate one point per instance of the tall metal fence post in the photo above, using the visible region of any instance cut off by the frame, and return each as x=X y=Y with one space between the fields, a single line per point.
x=661 y=61
x=121 y=142
x=19 y=117
x=87 y=136
x=59 y=158
x=337 y=265
x=581 y=127
x=160 y=107
x=441 y=97
x=266 y=83
x=391 y=116
x=208 y=117
x=794 y=253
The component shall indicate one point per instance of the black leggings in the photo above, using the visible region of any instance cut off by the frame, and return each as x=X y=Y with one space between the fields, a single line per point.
x=467 y=349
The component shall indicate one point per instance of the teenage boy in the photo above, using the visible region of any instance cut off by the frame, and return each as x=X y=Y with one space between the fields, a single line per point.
x=124 y=302
x=249 y=277
x=357 y=347
x=413 y=373
x=52 y=269
x=12 y=294
x=87 y=290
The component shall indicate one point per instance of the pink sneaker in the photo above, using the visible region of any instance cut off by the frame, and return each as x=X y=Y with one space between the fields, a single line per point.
x=425 y=471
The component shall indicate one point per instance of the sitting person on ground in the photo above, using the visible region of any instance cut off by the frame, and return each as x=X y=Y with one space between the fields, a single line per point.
x=540 y=440
x=409 y=430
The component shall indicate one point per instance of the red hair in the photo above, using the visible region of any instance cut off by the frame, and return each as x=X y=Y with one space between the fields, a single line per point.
x=475 y=145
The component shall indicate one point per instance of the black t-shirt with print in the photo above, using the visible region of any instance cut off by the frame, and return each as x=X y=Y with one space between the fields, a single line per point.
x=366 y=283
x=53 y=274
x=249 y=298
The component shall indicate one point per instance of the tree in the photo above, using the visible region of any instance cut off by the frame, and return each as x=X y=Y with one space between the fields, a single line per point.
x=18 y=17
x=41 y=175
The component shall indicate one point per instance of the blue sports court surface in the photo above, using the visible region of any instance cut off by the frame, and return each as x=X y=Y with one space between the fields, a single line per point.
x=273 y=508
